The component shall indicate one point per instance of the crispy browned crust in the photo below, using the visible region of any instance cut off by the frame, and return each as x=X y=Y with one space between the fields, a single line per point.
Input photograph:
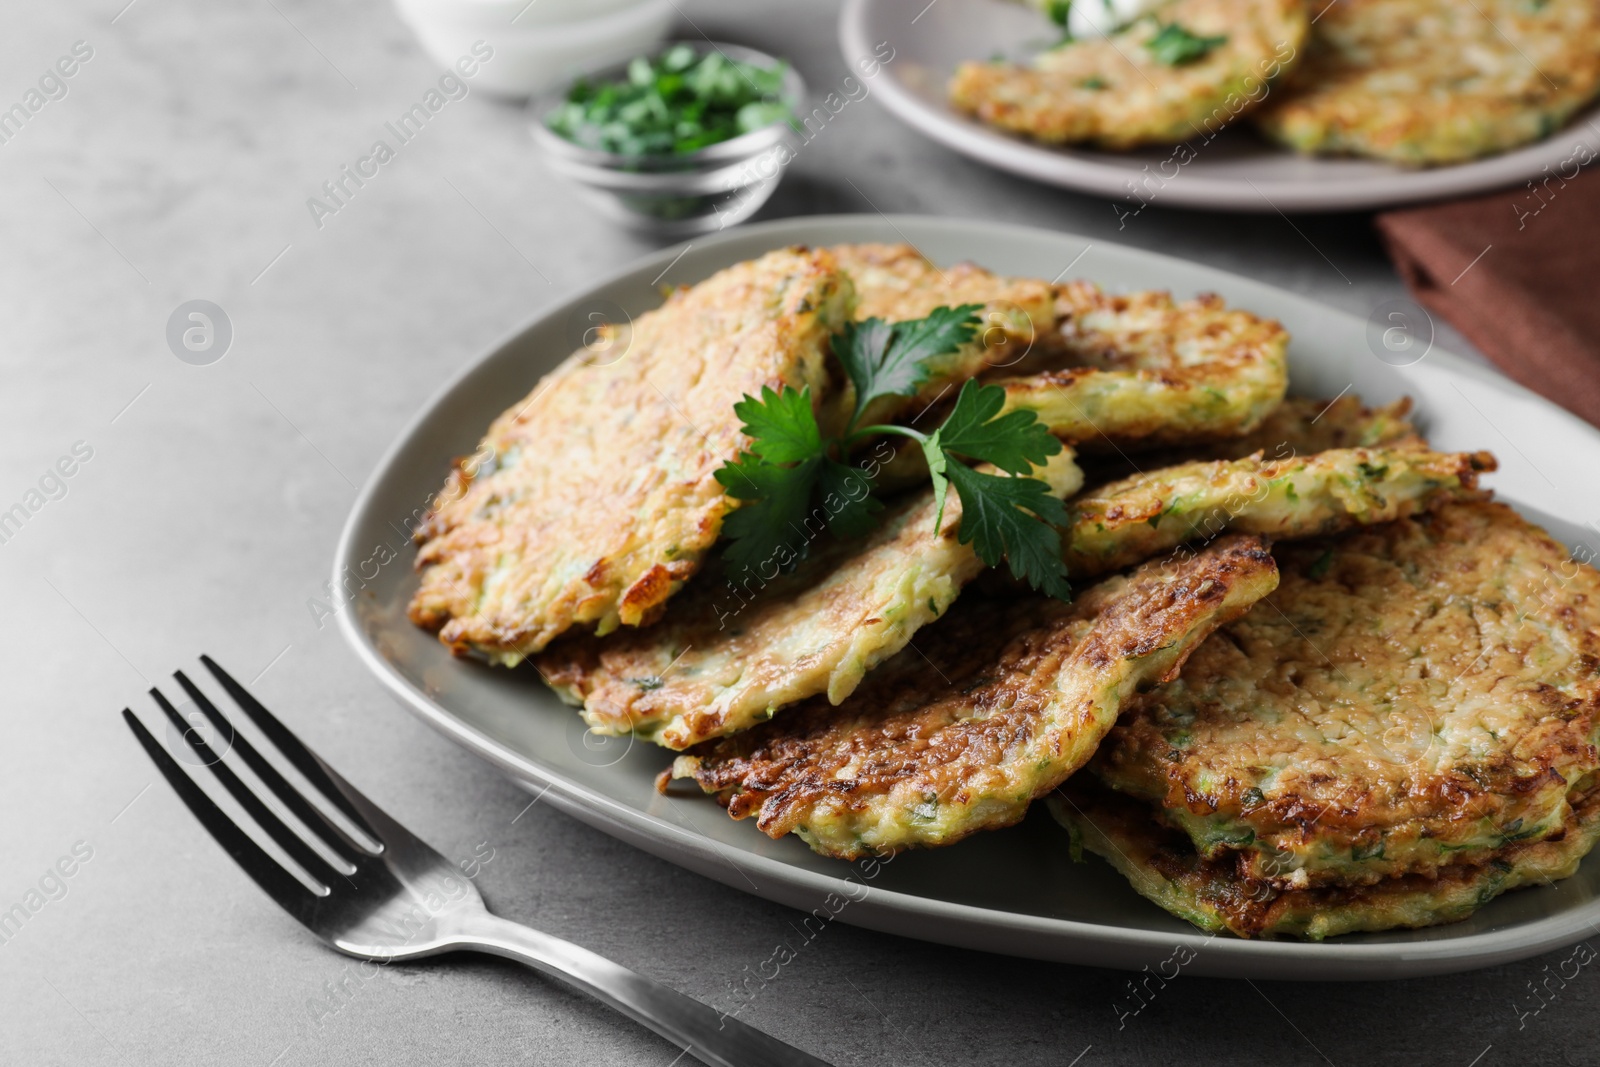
x=995 y=705
x=1216 y=894
x=1413 y=696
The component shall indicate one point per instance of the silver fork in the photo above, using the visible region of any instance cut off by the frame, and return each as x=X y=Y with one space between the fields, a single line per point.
x=402 y=900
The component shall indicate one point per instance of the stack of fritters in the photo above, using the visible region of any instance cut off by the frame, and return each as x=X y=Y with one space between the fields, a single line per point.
x=1401 y=731
x=1386 y=715
x=1415 y=82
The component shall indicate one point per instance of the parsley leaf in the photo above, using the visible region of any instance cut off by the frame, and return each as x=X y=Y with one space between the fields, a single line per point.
x=793 y=478
x=937 y=459
x=893 y=360
x=1016 y=442
x=1174 y=46
x=781 y=426
x=776 y=502
x=847 y=498
x=996 y=523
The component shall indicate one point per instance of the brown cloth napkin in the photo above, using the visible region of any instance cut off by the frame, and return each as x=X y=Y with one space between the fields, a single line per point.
x=1517 y=272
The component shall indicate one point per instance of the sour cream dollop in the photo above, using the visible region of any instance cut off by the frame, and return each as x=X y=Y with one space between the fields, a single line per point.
x=1088 y=19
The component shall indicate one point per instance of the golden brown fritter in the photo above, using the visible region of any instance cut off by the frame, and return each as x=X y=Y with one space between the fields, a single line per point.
x=1415 y=695
x=1118 y=93
x=1143 y=368
x=1297 y=427
x=732 y=653
x=994 y=705
x=1162 y=865
x=1424 y=82
x=1134 y=519
x=1302 y=425
x=1138 y=371
x=896 y=283
x=594 y=498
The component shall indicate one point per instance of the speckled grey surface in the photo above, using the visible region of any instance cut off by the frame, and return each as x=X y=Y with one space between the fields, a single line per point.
x=177 y=167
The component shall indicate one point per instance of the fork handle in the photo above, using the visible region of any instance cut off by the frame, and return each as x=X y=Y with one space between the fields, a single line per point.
x=705 y=1033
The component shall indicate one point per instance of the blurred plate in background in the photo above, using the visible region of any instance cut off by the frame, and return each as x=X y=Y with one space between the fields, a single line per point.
x=1239 y=171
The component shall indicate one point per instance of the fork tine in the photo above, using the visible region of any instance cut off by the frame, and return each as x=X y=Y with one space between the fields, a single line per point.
x=340 y=793
x=304 y=810
x=278 y=883
x=286 y=838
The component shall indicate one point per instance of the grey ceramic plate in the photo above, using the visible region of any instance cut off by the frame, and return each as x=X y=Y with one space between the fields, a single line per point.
x=1237 y=171
x=1014 y=891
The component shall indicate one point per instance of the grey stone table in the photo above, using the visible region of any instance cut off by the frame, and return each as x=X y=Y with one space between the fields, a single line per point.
x=201 y=512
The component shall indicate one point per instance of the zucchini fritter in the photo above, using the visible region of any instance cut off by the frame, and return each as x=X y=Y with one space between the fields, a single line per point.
x=896 y=283
x=1414 y=696
x=731 y=653
x=1297 y=427
x=1121 y=92
x=1162 y=865
x=1139 y=371
x=1302 y=425
x=1302 y=496
x=996 y=704
x=1142 y=367
x=1424 y=82
x=594 y=498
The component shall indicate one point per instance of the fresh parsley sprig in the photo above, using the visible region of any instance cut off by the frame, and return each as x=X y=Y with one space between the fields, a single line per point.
x=791 y=463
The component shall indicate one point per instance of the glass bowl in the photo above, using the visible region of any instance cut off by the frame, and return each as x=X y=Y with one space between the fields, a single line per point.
x=677 y=195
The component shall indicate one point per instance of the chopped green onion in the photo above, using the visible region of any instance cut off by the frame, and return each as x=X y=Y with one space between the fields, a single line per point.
x=676 y=103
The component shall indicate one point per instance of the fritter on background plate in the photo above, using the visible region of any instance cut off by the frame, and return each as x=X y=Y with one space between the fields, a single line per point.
x=1425 y=82
x=1179 y=74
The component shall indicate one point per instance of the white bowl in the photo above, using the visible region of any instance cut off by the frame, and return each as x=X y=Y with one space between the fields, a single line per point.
x=531 y=59
x=514 y=14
